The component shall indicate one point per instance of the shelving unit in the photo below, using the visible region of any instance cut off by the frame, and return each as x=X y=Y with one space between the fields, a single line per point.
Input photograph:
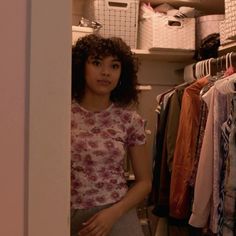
x=207 y=6
x=227 y=48
x=168 y=55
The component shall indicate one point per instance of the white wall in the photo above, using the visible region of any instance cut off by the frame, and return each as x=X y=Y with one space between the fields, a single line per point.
x=49 y=127
x=13 y=98
x=35 y=117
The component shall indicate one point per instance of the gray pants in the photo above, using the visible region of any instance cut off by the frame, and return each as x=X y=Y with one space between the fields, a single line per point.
x=127 y=225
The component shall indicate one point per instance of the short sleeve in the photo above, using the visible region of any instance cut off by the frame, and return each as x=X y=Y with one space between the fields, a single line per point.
x=136 y=131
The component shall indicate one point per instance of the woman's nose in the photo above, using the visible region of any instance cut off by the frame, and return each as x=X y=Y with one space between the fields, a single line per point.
x=105 y=71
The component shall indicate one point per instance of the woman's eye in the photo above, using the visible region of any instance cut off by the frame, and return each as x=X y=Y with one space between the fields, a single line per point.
x=96 y=62
x=116 y=66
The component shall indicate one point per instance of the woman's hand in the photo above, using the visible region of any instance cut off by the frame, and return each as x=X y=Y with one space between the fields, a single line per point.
x=101 y=223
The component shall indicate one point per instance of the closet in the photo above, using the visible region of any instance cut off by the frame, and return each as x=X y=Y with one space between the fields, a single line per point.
x=160 y=71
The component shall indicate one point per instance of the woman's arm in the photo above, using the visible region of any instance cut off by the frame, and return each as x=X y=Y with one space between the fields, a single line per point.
x=141 y=164
x=102 y=222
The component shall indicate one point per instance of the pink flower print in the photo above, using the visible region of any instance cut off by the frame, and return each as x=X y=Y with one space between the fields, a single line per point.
x=85 y=134
x=76 y=185
x=100 y=199
x=109 y=187
x=78 y=169
x=115 y=153
x=88 y=160
x=130 y=130
x=122 y=185
x=119 y=139
x=115 y=195
x=88 y=171
x=75 y=109
x=88 y=114
x=81 y=145
x=74 y=124
x=89 y=203
x=96 y=130
x=108 y=161
x=99 y=185
x=141 y=122
x=73 y=192
x=118 y=169
x=93 y=144
x=104 y=175
x=105 y=123
x=126 y=117
x=89 y=121
x=141 y=137
x=117 y=112
x=76 y=157
x=122 y=127
x=106 y=114
x=105 y=135
x=113 y=181
x=91 y=192
x=78 y=200
x=92 y=178
x=72 y=139
x=111 y=167
x=99 y=153
x=109 y=144
x=112 y=132
x=72 y=177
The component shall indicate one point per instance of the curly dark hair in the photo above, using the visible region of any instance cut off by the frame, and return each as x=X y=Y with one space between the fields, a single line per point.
x=126 y=92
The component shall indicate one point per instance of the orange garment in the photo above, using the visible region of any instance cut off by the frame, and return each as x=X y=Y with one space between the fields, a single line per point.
x=180 y=197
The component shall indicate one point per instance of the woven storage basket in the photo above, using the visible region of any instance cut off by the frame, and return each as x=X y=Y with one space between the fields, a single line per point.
x=78 y=32
x=230 y=19
x=223 y=39
x=207 y=25
x=118 y=18
x=167 y=32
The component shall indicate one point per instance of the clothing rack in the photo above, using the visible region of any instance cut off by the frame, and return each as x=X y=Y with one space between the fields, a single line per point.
x=220 y=63
x=216 y=65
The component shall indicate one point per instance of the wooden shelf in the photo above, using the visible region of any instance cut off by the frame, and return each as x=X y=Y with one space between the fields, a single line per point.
x=206 y=6
x=227 y=48
x=163 y=54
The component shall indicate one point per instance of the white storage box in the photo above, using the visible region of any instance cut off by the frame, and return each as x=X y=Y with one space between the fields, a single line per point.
x=161 y=31
x=78 y=32
x=207 y=25
x=230 y=19
x=118 y=18
x=223 y=39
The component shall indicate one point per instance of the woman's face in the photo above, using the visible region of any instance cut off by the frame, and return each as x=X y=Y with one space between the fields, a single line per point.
x=102 y=75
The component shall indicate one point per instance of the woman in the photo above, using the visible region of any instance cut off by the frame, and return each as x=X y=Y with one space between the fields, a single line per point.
x=104 y=129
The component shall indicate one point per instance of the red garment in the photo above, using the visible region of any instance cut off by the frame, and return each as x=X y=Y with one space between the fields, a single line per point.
x=180 y=198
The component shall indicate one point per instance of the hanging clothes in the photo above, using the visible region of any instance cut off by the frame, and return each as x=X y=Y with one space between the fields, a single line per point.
x=209 y=191
x=180 y=198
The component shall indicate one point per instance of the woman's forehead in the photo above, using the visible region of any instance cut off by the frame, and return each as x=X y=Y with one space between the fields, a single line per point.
x=100 y=57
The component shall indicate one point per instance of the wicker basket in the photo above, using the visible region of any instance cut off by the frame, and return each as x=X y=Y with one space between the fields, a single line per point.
x=118 y=18
x=167 y=32
x=78 y=32
x=230 y=19
x=207 y=25
x=223 y=39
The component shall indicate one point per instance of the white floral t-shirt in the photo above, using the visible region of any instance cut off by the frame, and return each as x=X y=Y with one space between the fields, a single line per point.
x=98 y=146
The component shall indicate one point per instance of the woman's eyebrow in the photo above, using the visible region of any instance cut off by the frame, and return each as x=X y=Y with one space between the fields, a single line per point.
x=116 y=60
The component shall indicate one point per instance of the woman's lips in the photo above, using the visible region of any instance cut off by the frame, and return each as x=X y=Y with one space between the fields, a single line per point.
x=104 y=82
